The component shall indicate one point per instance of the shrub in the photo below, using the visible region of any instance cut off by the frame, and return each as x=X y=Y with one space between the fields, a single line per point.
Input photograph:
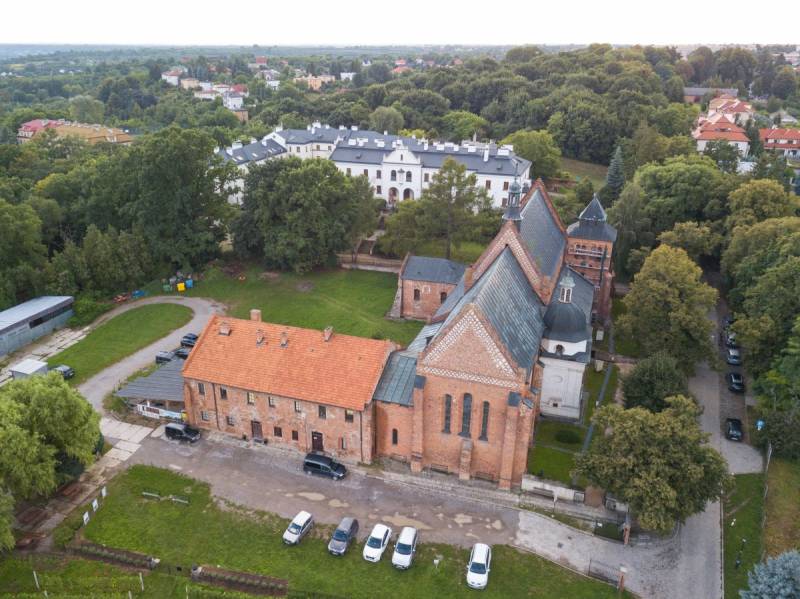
x=65 y=531
x=86 y=309
x=568 y=436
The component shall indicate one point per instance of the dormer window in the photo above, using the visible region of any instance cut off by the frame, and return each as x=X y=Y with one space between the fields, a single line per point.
x=565 y=289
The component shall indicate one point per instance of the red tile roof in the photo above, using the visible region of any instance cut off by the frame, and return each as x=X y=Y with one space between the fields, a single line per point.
x=343 y=371
x=720 y=127
x=777 y=133
x=37 y=125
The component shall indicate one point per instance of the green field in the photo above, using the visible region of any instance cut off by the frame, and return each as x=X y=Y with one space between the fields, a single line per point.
x=782 y=528
x=551 y=463
x=354 y=302
x=120 y=337
x=743 y=511
x=596 y=173
x=467 y=252
x=203 y=533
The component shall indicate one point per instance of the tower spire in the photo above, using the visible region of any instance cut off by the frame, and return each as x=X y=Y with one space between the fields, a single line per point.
x=512 y=212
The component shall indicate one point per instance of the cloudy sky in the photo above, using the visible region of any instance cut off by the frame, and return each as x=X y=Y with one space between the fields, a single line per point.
x=356 y=22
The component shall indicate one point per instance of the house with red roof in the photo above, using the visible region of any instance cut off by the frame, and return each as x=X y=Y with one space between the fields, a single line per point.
x=720 y=127
x=738 y=111
x=782 y=141
x=27 y=130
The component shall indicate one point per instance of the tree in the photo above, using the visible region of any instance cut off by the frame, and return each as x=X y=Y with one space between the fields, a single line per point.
x=386 y=118
x=785 y=83
x=86 y=109
x=660 y=464
x=7 y=539
x=777 y=578
x=522 y=54
x=633 y=225
x=615 y=178
x=695 y=239
x=298 y=214
x=459 y=125
x=724 y=154
x=668 y=305
x=584 y=191
x=449 y=203
x=758 y=200
x=22 y=253
x=540 y=148
x=584 y=128
x=652 y=380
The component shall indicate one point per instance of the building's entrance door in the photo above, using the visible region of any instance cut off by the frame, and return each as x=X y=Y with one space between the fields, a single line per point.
x=255 y=425
x=316 y=441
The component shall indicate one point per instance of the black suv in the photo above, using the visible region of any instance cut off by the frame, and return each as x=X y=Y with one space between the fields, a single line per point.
x=315 y=463
x=735 y=382
x=189 y=340
x=733 y=429
x=65 y=371
x=181 y=432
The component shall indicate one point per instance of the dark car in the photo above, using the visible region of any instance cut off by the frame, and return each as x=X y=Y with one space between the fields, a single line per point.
x=315 y=463
x=735 y=382
x=344 y=534
x=188 y=340
x=733 y=356
x=733 y=429
x=730 y=339
x=163 y=357
x=182 y=352
x=65 y=371
x=729 y=320
x=181 y=432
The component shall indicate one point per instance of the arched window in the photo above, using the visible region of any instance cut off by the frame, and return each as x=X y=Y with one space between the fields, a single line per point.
x=394 y=436
x=466 y=415
x=448 y=406
x=485 y=422
x=416 y=295
x=408 y=176
x=559 y=350
x=393 y=176
x=442 y=297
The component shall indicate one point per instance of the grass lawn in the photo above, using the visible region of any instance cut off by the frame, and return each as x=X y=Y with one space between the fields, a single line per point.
x=580 y=170
x=203 y=533
x=623 y=345
x=76 y=577
x=547 y=430
x=354 y=302
x=743 y=510
x=592 y=382
x=467 y=252
x=120 y=337
x=550 y=463
x=782 y=529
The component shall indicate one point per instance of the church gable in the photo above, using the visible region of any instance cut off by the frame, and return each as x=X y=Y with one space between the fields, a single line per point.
x=468 y=349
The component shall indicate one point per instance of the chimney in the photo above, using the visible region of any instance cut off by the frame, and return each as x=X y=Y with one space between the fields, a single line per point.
x=327 y=333
x=486 y=155
x=467 y=278
x=260 y=338
x=284 y=339
x=224 y=328
x=255 y=315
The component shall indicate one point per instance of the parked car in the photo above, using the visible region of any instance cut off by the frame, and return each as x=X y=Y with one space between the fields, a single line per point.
x=735 y=382
x=179 y=431
x=315 y=463
x=298 y=528
x=189 y=340
x=163 y=357
x=729 y=320
x=479 y=565
x=377 y=542
x=405 y=548
x=730 y=339
x=733 y=429
x=344 y=534
x=65 y=371
x=733 y=356
x=182 y=352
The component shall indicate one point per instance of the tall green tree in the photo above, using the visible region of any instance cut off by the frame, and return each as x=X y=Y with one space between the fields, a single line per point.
x=634 y=230
x=615 y=178
x=652 y=380
x=777 y=578
x=758 y=200
x=22 y=253
x=540 y=148
x=696 y=239
x=386 y=118
x=660 y=464
x=458 y=125
x=668 y=306
x=725 y=155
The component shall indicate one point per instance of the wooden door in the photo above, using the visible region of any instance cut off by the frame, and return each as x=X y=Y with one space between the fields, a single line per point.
x=316 y=441
x=255 y=425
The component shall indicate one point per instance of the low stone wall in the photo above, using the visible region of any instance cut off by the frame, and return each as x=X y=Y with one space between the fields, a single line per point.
x=532 y=484
x=367 y=262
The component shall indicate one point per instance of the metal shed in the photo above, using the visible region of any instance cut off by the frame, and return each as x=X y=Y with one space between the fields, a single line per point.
x=30 y=320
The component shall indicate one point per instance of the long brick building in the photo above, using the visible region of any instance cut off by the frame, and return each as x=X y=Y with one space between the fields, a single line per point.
x=506 y=338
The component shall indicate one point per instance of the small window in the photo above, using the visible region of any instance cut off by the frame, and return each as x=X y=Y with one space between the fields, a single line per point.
x=488 y=184
x=377 y=174
x=204 y=416
x=251 y=398
x=378 y=190
x=416 y=295
x=271 y=402
x=230 y=421
x=393 y=176
x=408 y=176
x=559 y=350
x=297 y=406
x=466 y=415
x=201 y=388
x=342 y=443
x=223 y=393
x=448 y=406
x=295 y=436
x=349 y=415
x=426 y=177
x=317 y=146
x=348 y=172
x=394 y=436
x=485 y=422
x=277 y=431
x=366 y=172
x=505 y=185
x=442 y=297
x=323 y=412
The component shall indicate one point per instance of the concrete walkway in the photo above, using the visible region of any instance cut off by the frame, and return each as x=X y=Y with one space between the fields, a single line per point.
x=103 y=383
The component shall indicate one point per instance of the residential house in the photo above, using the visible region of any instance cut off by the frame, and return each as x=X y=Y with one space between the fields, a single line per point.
x=720 y=127
x=315 y=82
x=190 y=83
x=232 y=100
x=347 y=75
x=424 y=284
x=173 y=76
x=738 y=111
x=695 y=95
x=781 y=141
x=28 y=129
x=93 y=134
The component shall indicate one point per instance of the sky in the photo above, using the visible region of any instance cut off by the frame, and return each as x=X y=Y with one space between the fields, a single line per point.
x=400 y=22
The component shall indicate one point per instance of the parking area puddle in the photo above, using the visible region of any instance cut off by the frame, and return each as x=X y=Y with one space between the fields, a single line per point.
x=462 y=519
x=497 y=525
x=311 y=496
x=338 y=503
x=400 y=521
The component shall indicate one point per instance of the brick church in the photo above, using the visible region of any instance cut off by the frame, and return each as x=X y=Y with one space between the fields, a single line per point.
x=505 y=339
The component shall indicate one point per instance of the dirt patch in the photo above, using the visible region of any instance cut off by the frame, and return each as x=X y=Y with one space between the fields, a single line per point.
x=269 y=275
x=304 y=286
x=624 y=370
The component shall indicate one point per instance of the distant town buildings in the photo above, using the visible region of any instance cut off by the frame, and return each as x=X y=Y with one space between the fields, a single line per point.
x=695 y=95
x=721 y=128
x=781 y=141
x=314 y=82
x=93 y=134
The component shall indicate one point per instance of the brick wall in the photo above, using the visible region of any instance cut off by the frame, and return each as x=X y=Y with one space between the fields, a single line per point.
x=335 y=429
x=390 y=416
x=430 y=298
x=589 y=267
